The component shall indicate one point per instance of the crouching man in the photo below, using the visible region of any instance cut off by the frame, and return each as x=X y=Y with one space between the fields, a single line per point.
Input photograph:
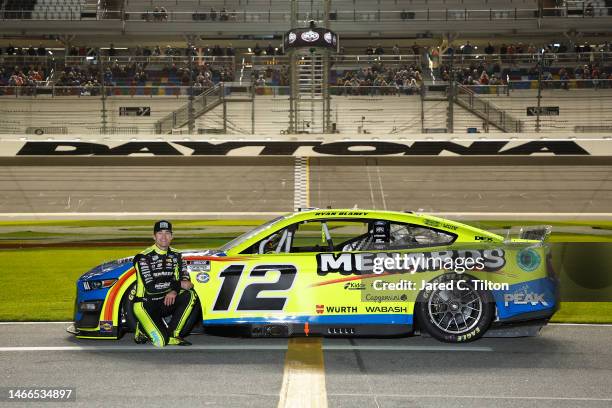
x=162 y=289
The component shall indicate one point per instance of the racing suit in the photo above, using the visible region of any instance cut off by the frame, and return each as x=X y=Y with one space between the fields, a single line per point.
x=159 y=272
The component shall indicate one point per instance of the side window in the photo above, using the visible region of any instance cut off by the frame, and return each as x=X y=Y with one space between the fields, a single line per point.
x=276 y=243
x=405 y=236
x=328 y=235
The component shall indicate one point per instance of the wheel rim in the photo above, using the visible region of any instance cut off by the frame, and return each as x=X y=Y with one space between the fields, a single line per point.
x=455 y=311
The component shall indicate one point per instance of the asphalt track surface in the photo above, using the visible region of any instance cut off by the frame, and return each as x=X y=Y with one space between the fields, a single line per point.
x=266 y=184
x=565 y=366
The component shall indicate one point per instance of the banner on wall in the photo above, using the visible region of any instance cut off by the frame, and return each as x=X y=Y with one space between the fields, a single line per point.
x=306 y=148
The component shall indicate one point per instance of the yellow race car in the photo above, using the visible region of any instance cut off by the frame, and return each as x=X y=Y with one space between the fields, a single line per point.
x=350 y=272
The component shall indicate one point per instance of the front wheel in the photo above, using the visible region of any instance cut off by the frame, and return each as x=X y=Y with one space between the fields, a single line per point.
x=455 y=310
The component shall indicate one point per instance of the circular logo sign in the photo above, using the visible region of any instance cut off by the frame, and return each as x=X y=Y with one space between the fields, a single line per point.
x=202 y=277
x=292 y=38
x=310 y=36
x=528 y=260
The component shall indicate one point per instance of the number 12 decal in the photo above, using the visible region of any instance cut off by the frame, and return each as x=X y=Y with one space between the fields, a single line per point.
x=249 y=300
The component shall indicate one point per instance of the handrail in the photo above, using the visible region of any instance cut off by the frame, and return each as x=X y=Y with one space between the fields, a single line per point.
x=202 y=15
x=487 y=110
x=180 y=116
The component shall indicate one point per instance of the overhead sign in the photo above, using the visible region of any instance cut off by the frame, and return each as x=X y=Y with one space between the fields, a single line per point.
x=310 y=37
x=544 y=111
x=313 y=148
x=135 y=111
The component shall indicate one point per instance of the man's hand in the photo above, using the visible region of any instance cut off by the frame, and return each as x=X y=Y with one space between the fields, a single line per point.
x=169 y=299
x=186 y=285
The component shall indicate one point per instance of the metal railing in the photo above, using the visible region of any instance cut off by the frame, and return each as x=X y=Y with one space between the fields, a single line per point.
x=486 y=110
x=207 y=100
x=365 y=15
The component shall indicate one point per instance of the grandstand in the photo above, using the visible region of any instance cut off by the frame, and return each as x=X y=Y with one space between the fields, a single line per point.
x=437 y=81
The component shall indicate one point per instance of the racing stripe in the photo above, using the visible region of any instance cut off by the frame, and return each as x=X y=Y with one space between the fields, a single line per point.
x=112 y=294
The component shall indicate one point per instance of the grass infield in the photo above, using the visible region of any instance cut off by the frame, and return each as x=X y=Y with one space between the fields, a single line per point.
x=42 y=279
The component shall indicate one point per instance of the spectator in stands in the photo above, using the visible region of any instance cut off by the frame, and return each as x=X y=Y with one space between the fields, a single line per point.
x=157 y=52
x=563 y=79
x=379 y=50
x=213 y=14
x=112 y=51
x=489 y=49
x=416 y=50
x=230 y=51
x=41 y=51
x=396 y=50
x=232 y=15
x=269 y=49
x=369 y=50
x=467 y=49
x=10 y=50
x=31 y=51
x=223 y=15
x=257 y=50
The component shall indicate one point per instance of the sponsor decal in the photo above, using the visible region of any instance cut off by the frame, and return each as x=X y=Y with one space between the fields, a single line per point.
x=320 y=309
x=292 y=38
x=365 y=263
x=310 y=36
x=328 y=37
x=385 y=298
x=525 y=298
x=340 y=309
x=483 y=239
x=289 y=148
x=354 y=286
x=106 y=326
x=202 y=277
x=528 y=260
x=386 y=309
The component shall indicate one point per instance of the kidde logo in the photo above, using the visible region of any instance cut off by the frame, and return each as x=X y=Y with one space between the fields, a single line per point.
x=320 y=309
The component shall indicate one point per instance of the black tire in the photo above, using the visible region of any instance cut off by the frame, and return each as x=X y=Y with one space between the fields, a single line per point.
x=455 y=316
x=127 y=320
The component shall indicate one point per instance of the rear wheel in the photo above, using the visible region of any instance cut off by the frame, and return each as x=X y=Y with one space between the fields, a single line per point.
x=455 y=310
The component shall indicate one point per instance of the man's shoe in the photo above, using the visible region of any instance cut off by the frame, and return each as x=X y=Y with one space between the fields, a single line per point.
x=140 y=337
x=178 y=341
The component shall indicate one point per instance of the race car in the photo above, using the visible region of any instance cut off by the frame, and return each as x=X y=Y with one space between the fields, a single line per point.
x=349 y=272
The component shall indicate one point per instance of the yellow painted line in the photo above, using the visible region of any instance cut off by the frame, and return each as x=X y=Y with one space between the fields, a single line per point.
x=304 y=375
x=307 y=181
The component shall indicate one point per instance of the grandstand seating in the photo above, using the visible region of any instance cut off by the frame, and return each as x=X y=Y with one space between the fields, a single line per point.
x=58 y=9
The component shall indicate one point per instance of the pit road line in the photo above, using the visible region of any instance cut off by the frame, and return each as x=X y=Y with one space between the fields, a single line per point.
x=262 y=347
x=480 y=397
x=303 y=375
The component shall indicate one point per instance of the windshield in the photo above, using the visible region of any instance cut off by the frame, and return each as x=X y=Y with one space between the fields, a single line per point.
x=248 y=235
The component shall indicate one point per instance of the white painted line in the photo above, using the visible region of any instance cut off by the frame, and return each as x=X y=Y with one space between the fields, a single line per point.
x=332 y=347
x=263 y=214
x=147 y=347
x=253 y=347
x=17 y=323
x=581 y=324
x=480 y=397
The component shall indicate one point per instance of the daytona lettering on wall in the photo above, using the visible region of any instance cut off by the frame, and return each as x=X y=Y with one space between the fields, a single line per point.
x=317 y=148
